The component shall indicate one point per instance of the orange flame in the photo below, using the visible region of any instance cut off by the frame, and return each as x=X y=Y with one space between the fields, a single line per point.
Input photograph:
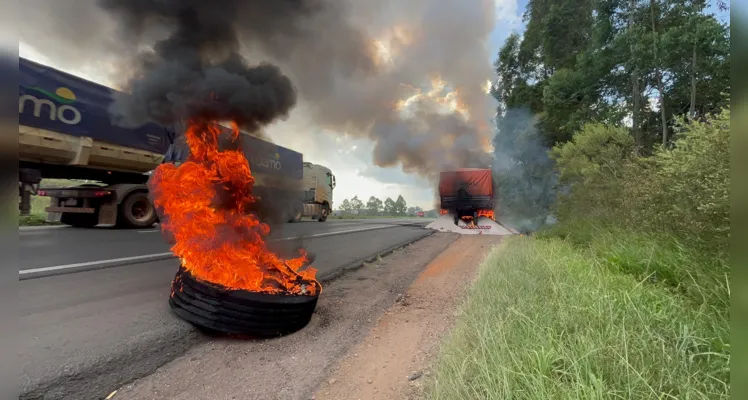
x=443 y=212
x=222 y=244
x=487 y=213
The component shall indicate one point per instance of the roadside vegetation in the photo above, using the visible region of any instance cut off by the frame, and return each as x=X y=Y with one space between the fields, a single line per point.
x=355 y=208
x=627 y=294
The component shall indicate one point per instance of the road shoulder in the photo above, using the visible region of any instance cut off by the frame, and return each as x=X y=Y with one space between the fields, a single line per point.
x=394 y=359
x=292 y=367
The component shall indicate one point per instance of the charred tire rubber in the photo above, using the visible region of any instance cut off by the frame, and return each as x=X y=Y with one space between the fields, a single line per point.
x=136 y=211
x=217 y=309
x=80 y=220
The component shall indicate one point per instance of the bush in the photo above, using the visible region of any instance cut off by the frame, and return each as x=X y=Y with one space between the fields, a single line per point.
x=681 y=191
x=592 y=167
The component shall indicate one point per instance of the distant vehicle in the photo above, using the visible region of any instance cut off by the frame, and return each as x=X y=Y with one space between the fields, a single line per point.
x=319 y=183
x=466 y=193
x=66 y=132
x=420 y=214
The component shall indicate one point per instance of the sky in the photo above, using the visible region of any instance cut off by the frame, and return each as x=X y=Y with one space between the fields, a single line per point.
x=349 y=158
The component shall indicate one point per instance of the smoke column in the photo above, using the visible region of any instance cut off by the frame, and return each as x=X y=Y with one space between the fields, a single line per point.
x=362 y=69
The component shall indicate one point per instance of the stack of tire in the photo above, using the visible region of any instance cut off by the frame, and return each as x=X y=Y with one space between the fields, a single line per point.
x=218 y=309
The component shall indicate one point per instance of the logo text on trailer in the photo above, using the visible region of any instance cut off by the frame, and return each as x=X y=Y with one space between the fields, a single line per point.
x=271 y=163
x=64 y=112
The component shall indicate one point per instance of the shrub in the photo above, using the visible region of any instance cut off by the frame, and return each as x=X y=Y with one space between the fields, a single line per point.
x=682 y=191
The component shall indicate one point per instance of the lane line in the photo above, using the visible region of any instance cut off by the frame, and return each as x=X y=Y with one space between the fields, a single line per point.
x=116 y=262
x=90 y=265
x=333 y=233
x=40 y=228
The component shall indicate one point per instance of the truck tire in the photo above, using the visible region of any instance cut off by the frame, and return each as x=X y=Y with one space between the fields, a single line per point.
x=323 y=214
x=136 y=211
x=80 y=220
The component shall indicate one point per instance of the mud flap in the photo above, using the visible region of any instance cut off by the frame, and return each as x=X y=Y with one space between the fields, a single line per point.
x=108 y=214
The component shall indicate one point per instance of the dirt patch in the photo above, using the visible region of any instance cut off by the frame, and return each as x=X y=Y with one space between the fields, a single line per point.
x=292 y=367
x=395 y=358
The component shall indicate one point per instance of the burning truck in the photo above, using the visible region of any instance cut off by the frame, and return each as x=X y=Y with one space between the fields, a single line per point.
x=467 y=203
x=467 y=194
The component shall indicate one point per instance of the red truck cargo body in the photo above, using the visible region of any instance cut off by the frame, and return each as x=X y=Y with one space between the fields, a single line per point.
x=478 y=182
x=464 y=192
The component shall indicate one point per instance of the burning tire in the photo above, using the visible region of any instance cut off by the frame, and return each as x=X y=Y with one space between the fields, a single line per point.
x=242 y=312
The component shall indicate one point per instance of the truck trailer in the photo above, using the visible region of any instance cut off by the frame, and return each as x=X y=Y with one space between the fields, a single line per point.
x=467 y=193
x=66 y=132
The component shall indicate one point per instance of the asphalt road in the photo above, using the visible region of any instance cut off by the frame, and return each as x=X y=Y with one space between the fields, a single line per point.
x=87 y=333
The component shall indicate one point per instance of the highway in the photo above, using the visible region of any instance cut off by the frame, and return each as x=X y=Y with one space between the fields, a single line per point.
x=85 y=329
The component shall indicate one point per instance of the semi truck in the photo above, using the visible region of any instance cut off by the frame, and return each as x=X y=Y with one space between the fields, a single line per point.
x=66 y=132
x=467 y=193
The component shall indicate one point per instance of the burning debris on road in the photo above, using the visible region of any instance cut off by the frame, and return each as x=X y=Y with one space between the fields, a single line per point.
x=229 y=280
x=195 y=77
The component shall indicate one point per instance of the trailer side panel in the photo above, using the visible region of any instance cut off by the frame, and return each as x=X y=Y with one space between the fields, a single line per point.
x=54 y=100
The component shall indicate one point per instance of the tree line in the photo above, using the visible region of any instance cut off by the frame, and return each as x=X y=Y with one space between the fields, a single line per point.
x=376 y=207
x=644 y=67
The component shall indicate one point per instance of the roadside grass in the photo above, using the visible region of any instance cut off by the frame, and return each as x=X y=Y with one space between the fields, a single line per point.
x=651 y=257
x=551 y=319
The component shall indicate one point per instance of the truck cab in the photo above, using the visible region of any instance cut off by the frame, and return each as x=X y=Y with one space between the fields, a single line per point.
x=318 y=184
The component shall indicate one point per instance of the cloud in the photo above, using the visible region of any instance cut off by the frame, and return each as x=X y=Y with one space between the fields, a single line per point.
x=506 y=11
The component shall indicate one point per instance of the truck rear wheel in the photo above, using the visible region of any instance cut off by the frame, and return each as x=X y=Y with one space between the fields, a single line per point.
x=80 y=220
x=136 y=211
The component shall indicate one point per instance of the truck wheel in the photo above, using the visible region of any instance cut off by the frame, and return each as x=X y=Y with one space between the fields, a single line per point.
x=136 y=211
x=80 y=220
x=323 y=215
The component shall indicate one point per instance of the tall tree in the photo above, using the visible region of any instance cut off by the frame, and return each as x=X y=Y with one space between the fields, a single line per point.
x=389 y=206
x=356 y=204
x=658 y=68
x=607 y=59
x=345 y=206
x=374 y=206
x=400 y=205
x=636 y=92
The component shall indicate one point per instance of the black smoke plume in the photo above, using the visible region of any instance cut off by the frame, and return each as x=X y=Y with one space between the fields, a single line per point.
x=196 y=71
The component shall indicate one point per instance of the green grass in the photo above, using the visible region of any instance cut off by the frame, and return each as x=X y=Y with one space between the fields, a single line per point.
x=651 y=257
x=553 y=319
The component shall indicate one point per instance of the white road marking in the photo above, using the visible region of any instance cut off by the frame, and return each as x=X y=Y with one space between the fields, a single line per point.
x=40 y=228
x=100 y=264
x=82 y=265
